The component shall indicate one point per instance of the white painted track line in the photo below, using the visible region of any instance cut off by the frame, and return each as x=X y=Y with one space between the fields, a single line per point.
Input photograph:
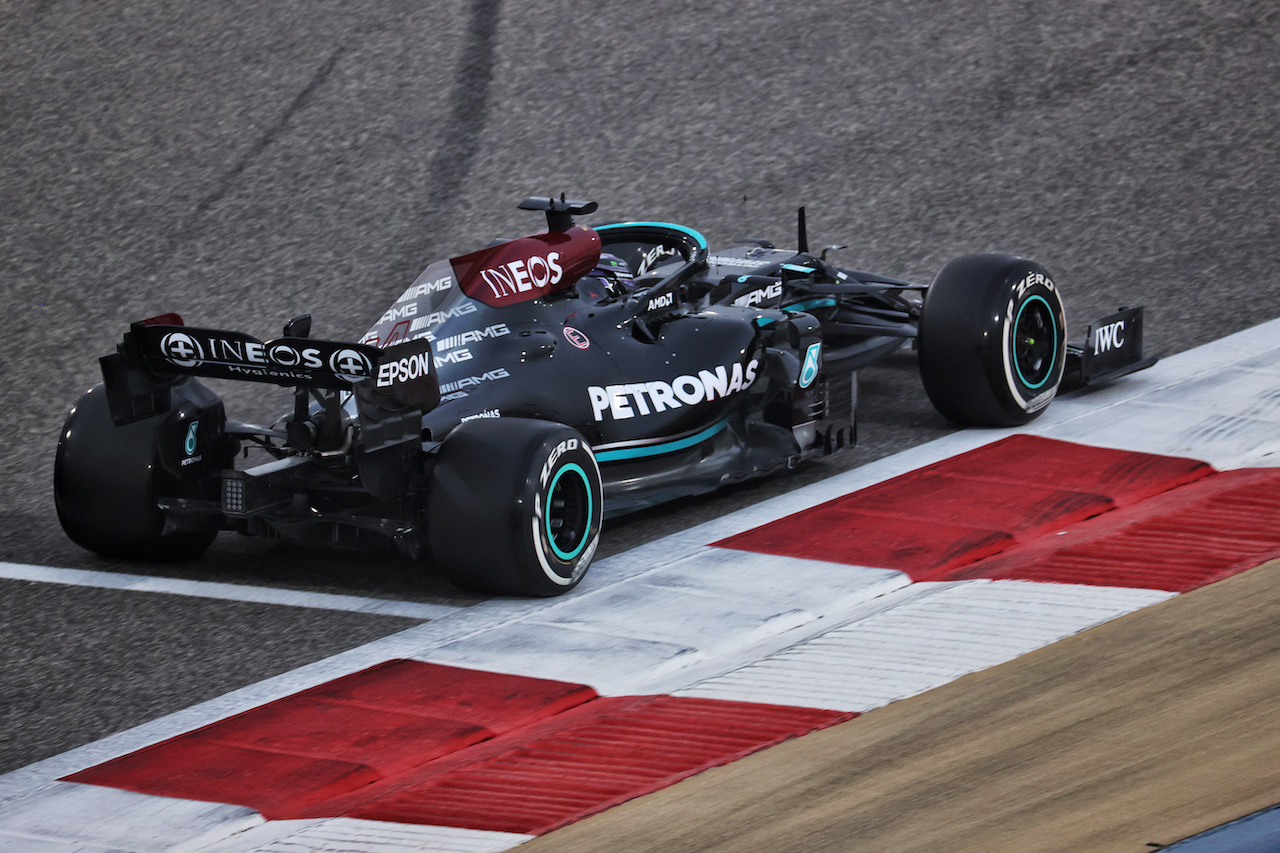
x=224 y=591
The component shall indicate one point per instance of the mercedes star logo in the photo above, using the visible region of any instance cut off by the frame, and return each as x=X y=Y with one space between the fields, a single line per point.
x=350 y=365
x=181 y=349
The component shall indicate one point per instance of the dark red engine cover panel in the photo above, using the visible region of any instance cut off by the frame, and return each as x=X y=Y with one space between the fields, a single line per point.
x=524 y=269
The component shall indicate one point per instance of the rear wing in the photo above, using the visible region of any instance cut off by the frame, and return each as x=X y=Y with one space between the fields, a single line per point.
x=158 y=353
x=165 y=349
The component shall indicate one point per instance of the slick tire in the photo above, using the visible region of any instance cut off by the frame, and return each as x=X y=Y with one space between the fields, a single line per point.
x=514 y=507
x=106 y=481
x=992 y=341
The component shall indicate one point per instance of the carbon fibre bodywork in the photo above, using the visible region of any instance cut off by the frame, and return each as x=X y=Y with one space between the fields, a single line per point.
x=531 y=381
x=677 y=389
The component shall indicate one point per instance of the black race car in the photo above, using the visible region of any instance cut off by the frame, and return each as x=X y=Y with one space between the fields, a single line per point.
x=514 y=397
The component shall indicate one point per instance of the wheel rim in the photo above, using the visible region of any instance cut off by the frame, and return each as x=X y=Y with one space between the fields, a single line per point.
x=1035 y=342
x=569 y=512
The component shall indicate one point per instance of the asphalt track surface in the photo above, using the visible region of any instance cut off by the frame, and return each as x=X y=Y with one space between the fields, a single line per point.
x=242 y=163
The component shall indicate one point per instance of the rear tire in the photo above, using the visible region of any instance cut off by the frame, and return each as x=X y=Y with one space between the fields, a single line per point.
x=514 y=507
x=992 y=341
x=106 y=483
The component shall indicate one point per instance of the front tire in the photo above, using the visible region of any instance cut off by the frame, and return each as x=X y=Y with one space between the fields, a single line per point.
x=514 y=507
x=992 y=341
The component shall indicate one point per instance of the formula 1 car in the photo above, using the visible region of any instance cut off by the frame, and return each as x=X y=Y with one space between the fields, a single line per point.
x=512 y=398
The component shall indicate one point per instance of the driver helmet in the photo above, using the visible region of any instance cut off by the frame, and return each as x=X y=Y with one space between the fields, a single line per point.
x=615 y=271
x=610 y=278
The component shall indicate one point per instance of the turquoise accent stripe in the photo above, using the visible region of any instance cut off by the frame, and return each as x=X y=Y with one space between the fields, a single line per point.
x=702 y=241
x=1017 y=320
x=659 y=449
x=573 y=468
x=812 y=303
x=796 y=268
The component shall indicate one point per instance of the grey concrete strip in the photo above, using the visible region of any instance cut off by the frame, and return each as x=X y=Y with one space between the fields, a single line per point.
x=1255 y=833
